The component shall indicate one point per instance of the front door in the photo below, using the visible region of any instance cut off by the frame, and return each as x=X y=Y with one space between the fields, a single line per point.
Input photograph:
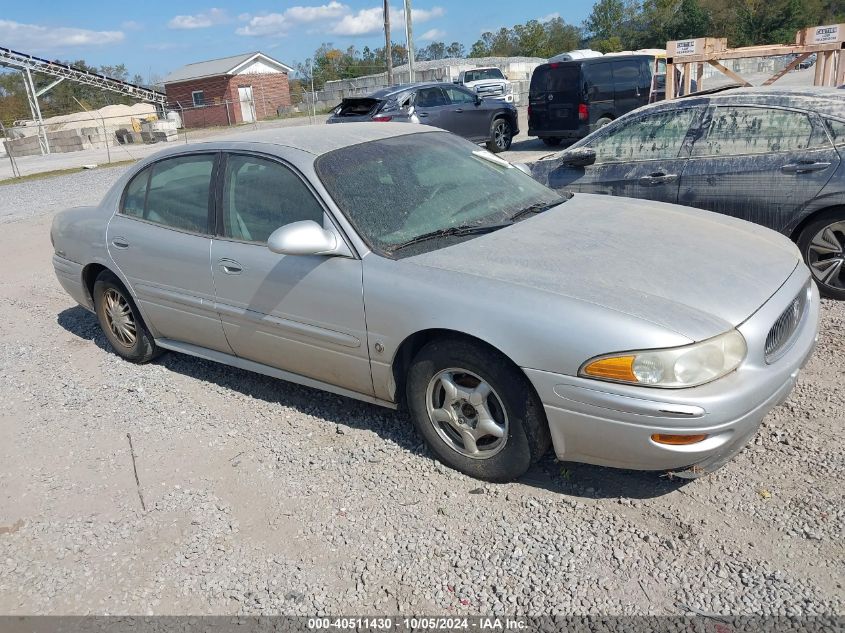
x=760 y=164
x=466 y=117
x=160 y=242
x=247 y=104
x=302 y=314
x=640 y=158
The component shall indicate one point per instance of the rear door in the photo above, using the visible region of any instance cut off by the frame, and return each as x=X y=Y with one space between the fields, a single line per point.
x=761 y=164
x=160 y=241
x=632 y=80
x=640 y=158
x=600 y=90
x=554 y=96
x=432 y=106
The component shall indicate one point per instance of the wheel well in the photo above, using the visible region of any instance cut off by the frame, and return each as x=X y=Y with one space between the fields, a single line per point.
x=409 y=348
x=89 y=276
x=796 y=232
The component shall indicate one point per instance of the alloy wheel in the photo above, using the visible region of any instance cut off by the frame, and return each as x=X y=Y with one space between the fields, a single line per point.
x=119 y=318
x=826 y=255
x=501 y=134
x=467 y=413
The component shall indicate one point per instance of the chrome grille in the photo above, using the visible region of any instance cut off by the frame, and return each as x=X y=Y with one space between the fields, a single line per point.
x=781 y=333
x=491 y=89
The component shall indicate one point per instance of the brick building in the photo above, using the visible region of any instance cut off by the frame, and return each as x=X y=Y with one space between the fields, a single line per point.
x=228 y=91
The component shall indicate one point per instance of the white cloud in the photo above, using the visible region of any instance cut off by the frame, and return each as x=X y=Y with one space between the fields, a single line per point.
x=432 y=34
x=333 y=18
x=281 y=23
x=547 y=18
x=34 y=37
x=131 y=25
x=201 y=20
x=365 y=22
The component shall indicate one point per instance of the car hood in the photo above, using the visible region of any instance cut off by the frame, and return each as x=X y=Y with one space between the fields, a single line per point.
x=693 y=272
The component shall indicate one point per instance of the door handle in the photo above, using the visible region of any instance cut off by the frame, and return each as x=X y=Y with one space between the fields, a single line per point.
x=803 y=168
x=459 y=110
x=230 y=266
x=120 y=242
x=658 y=178
x=422 y=114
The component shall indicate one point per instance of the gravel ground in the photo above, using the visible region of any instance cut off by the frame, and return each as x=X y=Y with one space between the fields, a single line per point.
x=265 y=497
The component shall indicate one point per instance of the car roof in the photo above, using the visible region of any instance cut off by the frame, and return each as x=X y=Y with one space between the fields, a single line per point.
x=321 y=139
x=595 y=60
x=826 y=101
x=399 y=88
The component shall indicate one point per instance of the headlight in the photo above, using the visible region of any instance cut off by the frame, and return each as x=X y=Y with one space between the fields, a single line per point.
x=509 y=89
x=687 y=366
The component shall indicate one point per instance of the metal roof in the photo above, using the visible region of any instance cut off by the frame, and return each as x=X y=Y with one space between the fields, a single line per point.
x=217 y=67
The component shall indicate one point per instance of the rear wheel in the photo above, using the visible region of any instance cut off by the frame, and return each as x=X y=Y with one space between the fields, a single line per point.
x=501 y=136
x=822 y=244
x=552 y=141
x=475 y=410
x=121 y=322
x=602 y=122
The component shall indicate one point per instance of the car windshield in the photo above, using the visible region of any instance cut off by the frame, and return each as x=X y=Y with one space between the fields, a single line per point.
x=485 y=73
x=398 y=189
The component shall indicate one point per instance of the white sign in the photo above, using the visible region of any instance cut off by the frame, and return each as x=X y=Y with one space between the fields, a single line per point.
x=685 y=47
x=825 y=34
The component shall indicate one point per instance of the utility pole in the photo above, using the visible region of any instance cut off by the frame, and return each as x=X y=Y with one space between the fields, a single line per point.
x=409 y=36
x=388 y=47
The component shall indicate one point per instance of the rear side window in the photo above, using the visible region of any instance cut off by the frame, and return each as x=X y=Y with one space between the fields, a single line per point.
x=260 y=195
x=135 y=195
x=739 y=130
x=173 y=192
x=626 y=75
x=431 y=97
x=600 y=79
x=837 y=131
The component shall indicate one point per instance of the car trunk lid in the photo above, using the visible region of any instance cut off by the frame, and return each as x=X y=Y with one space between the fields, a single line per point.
x=554 y=96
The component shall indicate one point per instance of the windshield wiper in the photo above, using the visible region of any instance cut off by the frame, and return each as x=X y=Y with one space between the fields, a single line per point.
x=452 y=231
x=537 y=207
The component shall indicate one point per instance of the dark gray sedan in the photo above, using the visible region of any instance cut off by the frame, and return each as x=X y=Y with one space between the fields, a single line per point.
x=447 y=106
x=770 y=156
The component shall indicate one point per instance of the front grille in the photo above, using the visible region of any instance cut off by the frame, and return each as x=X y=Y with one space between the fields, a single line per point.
x=777 y=342
x=491 y=89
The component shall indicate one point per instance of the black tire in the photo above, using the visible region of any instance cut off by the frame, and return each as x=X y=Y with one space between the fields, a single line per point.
x=501 y=135
x=143 y=348
x=602 y=122
x=835 y=219
x=552 y=141
x=526 y=432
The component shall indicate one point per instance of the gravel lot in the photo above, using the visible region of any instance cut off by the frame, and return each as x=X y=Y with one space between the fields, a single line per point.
x=265 y=497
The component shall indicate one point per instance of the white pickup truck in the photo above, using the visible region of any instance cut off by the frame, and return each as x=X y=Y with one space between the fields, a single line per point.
x=487 y=83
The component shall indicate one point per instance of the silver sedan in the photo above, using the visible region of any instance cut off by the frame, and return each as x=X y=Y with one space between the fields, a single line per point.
x=407 y=267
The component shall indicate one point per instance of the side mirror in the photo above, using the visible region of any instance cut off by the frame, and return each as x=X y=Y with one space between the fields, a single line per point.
x=578 y=157
x=477 y=100
x=303 y=238
x=525 y=169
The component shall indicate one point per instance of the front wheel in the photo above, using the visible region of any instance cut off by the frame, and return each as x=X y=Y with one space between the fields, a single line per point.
x=501 y=136
x=476 y=411
x=822 y=244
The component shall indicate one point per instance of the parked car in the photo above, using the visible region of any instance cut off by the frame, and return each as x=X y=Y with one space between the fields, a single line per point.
x=444 y=105
x=568 y=100
x=487 y=83
x=770 y=156
x=502 y=314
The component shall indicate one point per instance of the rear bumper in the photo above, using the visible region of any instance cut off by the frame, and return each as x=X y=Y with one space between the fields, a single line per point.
x=580 y=132
x=69 y=274
x=611 y=425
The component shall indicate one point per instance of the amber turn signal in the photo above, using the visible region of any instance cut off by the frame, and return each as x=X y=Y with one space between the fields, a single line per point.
x=616 y=368
x=678 y=440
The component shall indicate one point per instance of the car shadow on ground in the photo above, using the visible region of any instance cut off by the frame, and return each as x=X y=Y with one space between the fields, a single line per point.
x=579 y=480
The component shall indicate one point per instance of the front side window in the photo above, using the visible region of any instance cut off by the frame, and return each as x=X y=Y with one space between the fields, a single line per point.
x=657 y=136
x=456 y=95
x=397 y=189
x=260 y=195
x=738 y=130
x=175 y=194
x=198 y=97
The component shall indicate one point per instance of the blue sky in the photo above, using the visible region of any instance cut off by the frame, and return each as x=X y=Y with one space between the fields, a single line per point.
x=153 y=37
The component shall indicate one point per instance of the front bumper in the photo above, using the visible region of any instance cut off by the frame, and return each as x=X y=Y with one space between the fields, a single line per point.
x=611 y=424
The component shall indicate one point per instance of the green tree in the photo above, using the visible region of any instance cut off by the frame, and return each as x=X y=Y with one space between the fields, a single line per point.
x=611 y=24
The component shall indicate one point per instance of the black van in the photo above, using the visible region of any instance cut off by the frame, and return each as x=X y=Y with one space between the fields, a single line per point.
x=568 y=100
